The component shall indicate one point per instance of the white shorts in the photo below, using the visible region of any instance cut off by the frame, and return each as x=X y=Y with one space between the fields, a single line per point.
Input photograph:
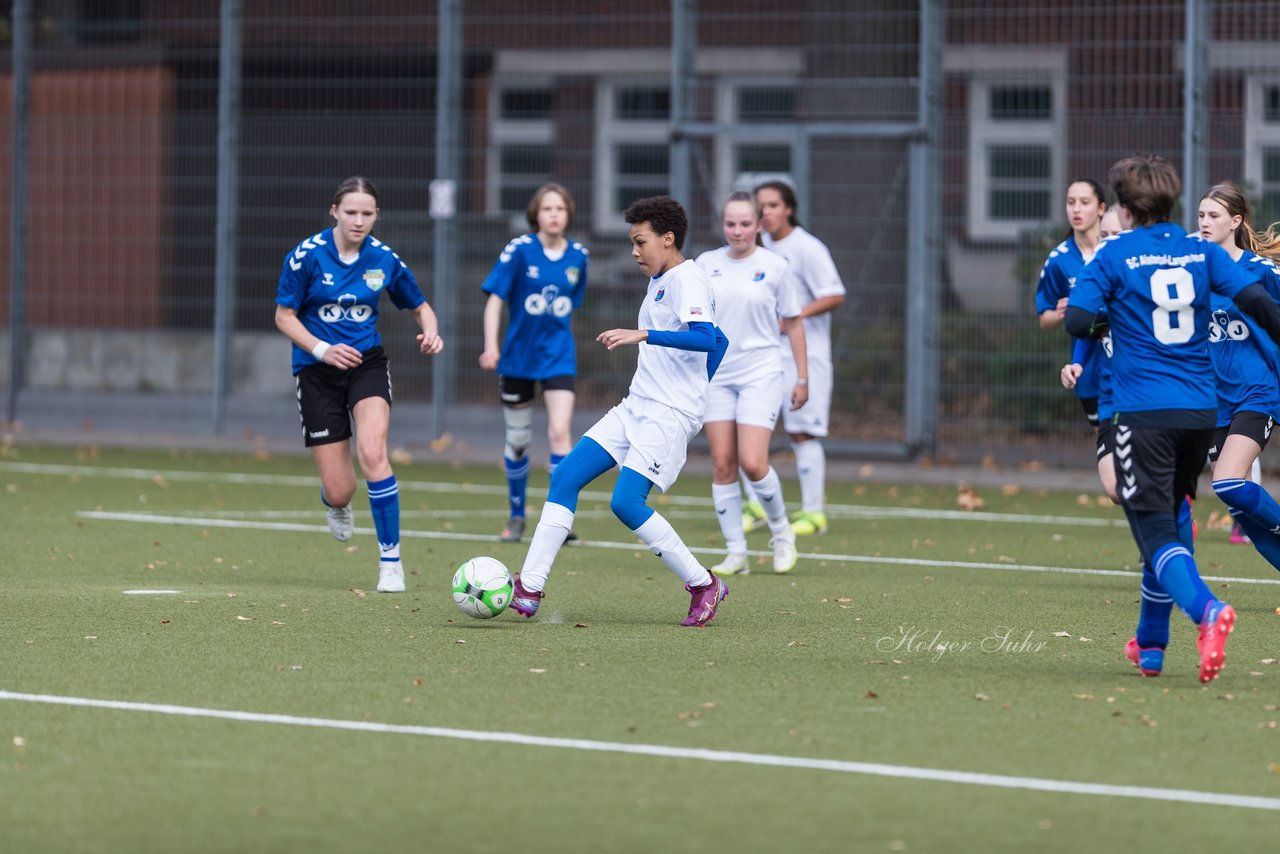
x=814 y=417
x=752 y=401
x=646 y=436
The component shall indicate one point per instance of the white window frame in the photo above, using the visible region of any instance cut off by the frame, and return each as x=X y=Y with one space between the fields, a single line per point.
x=727 y=89
x=503 y=132
x=990 y=66
x=1259 y=134
x=612 y=132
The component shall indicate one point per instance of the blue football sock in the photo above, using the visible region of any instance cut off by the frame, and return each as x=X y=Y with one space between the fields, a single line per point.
x=1153 y=618
x=1247 y=496
x=517 y=483
x=1186 y=525
x=1266 y=541
x=384 y=506
x=1177 y=573
x=554 y=462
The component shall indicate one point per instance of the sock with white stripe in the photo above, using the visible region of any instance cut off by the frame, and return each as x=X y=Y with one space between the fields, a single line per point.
x=1153 y=616
x=384 y=506
x=1176 y=571
x=517 y=482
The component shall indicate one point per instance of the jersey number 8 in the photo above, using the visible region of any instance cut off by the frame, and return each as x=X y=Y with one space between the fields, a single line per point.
x=1173 y=319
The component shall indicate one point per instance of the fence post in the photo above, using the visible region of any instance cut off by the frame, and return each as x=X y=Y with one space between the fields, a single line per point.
x=684 y=39
x=226 y=230
x=1195 y=70
x=444 y=196
x=18 y=212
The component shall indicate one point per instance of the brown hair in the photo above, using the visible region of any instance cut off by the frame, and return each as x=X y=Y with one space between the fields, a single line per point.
x=663 y=214
x=355 y=184
x=749 y=198
x=788 y=198
x=1147 y=185
x=1230 y=196
x=531 y=212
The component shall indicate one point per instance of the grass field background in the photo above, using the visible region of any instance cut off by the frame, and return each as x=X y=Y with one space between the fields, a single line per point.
x=838 y=660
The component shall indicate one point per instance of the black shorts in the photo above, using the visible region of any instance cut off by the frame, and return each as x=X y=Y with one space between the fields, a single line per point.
x=517 y=391
x=327 y=394
x=1106 y=438
x=1255 y=425
x=1090 y=407
x=1157 y=466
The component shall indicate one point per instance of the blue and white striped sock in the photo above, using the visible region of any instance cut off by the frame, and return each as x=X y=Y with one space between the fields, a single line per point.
x=384 y=506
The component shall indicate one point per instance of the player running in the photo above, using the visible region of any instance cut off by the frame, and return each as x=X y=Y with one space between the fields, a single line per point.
x=648 y=433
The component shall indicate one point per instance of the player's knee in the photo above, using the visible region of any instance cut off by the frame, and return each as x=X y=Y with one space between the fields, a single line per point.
x=754 y=466
x=630 y=508
x=519 y=430
x=558 y=435
x=372 y=453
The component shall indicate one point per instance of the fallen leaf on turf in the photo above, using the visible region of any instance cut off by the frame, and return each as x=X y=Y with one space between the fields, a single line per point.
x=232 y=595
x=243 y=618
x=1271 y=707
x=1274 y=767
x=19 y=741
x=351 y=550
x=90 y=637
x=843 y=599
x=580 y=625
x=537 y=670
x=276 y=623
x=1084 y=639
x=1062 y=634
x=1267 y=661
x=164 y=622
x=159 y=481
x=708 y=705
x=797 y=643
x=969 y=499
x=981 y=697
x=459 y=641
x=295 y=666
x=1083 y=696
x=1226 y=696
x=360 y=593
x=1010 y=489
x=871 y=695
x=1083 y=500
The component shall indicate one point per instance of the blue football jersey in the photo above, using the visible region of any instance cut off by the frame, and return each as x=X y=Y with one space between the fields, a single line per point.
x=541 y=295
x=338 y=302
x=1245 y=360
x=1154 y=284
x=1057 y=278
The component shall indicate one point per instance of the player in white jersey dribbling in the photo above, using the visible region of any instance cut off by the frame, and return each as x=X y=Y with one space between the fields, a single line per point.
x=752 y=291
x=648 y=433
x=820 y=291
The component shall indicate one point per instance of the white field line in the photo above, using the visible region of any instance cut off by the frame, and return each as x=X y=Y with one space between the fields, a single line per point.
x=1034 y=784
x=843 y=511
x=156 y=518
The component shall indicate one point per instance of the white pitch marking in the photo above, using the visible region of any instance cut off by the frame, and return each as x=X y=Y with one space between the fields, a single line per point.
x=151 y=592
x=636 y=546
x=850 y=511
x=1035 y=784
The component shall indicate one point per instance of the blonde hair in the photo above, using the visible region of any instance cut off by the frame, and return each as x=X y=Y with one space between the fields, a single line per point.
x=1232 y=197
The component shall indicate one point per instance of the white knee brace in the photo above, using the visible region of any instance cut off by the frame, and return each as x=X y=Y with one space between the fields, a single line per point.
x=519 y=430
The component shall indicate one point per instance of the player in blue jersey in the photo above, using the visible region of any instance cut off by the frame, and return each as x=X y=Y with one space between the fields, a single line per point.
x=648 y=433
x=540 y=277
x=1247 y=367
x=1153 y=281
x=1086 y=204
x=327 y=305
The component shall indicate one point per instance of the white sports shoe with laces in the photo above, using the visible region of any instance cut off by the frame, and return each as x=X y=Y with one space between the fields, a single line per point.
x=390 y=578
x=341 y=522
x=784 y=550
x=733 y=564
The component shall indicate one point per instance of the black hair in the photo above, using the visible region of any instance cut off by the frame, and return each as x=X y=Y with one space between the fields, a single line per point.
x=663 y=214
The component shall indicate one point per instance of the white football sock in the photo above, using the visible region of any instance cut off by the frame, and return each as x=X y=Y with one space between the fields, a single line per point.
x=554 y=524
x=727 y=498
x=811 y=467
x=749 y=493
x=769 y=490
x=662 y=540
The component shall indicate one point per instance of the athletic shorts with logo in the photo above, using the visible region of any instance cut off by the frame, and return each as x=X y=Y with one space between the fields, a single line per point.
x=646 y=436
x=326 y=395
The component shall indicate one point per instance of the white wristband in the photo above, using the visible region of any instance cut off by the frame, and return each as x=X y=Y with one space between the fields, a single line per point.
x=802 y=381
x=319 y=350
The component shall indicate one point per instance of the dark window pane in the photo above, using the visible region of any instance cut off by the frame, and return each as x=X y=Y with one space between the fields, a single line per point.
x=1271 y=165
x=1271 y=104
x=643 y=104
x=764 y=158
x=642 y=160
x=1019 y=204
x=766 y=105
x=1019 y=161
x=526 y=160
x=1021 y=103
x=526 y=104
x=514 y=198
x=625 y=194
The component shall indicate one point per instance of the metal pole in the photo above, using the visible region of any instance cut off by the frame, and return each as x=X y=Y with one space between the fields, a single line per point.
x=684 y=38
x=1195 y=158
x=22 y=62
x=224 y=275
x=923 y=269
x=444 y=193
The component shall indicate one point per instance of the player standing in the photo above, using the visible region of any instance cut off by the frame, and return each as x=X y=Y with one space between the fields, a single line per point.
x=820 y=291
x=540 y=277
x=1154 y=281
x=648 y=433
x=752 y=291
x=1247 y=366
x=327 y=305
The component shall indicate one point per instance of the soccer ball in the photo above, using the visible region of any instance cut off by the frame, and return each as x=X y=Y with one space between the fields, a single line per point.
x=482 y=588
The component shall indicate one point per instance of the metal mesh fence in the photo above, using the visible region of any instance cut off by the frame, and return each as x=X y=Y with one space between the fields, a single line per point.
x=124 y=150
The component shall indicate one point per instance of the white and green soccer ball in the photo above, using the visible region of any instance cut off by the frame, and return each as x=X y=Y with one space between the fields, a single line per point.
x=482 y=588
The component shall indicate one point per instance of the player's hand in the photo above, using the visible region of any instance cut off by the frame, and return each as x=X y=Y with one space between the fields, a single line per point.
x=799 y=396
x=342 y=356
x=430 y=343
x=489 y=359
x=1061 y=307
x=1071 y=373
x=618 y=337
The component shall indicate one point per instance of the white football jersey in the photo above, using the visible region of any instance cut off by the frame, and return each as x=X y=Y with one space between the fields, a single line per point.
x=675 y=377
x=750 y=295
x=813 y=275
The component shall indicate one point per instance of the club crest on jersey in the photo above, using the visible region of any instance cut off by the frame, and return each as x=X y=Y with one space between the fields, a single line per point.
x=532 y=272
x=757 y=276
x=571 y=276
x=328 y=280
x=662 y=291
x=374 y=279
